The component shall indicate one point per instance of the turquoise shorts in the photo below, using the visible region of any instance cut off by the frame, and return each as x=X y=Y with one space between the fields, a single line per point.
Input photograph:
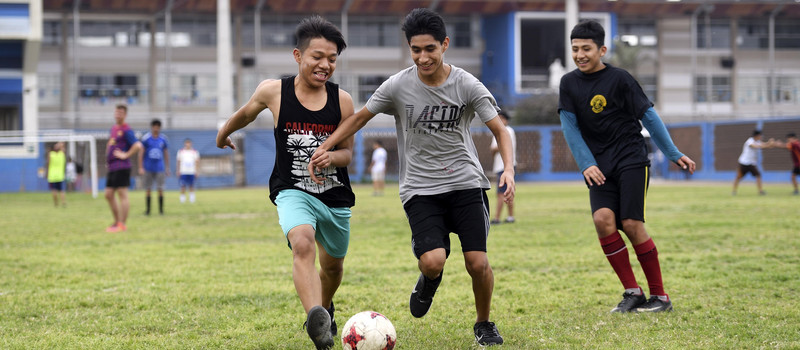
x=331 y=225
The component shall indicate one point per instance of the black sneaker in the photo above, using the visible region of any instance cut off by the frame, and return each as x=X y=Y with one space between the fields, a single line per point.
x=334 y=329
x=486 y=333
x=655 y=305
x=422 y=296
x=318 y=324
x=630 y=301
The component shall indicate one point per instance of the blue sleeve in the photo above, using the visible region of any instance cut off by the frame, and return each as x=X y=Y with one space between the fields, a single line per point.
x=130 y=138
x=580 y=151
x=658 y=132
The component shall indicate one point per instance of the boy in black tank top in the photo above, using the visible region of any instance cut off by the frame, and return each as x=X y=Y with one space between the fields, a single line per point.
x=306 y=109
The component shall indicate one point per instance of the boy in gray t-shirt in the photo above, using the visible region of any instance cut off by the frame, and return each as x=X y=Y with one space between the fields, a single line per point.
x=442 y=184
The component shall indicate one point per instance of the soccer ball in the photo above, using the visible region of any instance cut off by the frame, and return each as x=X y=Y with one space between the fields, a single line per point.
x=368 y=330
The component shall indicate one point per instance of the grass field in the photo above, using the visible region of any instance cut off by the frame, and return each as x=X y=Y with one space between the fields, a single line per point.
x=217 y=274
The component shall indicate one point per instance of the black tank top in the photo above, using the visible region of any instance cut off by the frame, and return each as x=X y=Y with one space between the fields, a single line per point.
x=298 y=134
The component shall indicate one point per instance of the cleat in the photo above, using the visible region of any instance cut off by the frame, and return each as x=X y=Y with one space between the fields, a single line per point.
x=654 y=304
x=486 y=333
x=334 y=329
x=422 y=296
x=510 y=220
x=318 y=326
x=494 y=222
x=118 y=227
x=630 y=301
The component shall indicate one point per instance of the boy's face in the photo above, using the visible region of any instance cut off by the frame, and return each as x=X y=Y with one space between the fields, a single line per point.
x=427 y=53
x=187 y=144
x=317 y=62
x=586 y=55
x=119 y=115
x=155 y=129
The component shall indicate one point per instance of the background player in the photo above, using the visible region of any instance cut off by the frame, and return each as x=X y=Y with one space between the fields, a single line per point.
x=601 y=107
x=748 y=160
x=497 y=168
x=188 y=162
x=56 y=172
x=154 y=164
x=377 y=168
x=122 y=144
x=793 y=145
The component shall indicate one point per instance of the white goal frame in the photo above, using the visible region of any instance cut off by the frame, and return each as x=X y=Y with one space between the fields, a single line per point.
x=32 y=140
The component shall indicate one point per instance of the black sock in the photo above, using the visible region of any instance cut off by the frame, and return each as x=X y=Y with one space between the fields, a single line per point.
x=161 y=204
x=147 y=204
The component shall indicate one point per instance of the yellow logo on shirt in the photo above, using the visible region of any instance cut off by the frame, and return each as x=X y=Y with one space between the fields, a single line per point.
x=598 y=102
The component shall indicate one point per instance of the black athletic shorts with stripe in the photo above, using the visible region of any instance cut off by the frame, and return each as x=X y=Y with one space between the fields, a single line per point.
x=433 y=217
x=624 y=192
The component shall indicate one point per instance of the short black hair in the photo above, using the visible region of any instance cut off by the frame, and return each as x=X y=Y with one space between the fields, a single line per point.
x=589 y=30
x=421 y=21
x=155 y=122
x=504 y=114
x=756 y=132
x=317 y=27
x=122 y=107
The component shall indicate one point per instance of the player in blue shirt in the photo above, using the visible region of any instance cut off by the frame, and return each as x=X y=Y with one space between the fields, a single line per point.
x=602 y=110
x=154 y=163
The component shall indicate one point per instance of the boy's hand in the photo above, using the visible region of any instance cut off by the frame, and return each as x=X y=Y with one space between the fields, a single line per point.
x=226 y=143
x=594 y=176
x=686 y=164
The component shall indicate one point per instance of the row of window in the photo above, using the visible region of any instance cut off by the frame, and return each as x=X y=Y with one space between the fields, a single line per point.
x=373 y=31
x=200 y=89
x=750 y=33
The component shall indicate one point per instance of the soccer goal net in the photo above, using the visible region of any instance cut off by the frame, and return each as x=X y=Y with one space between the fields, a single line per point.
x=81 y=151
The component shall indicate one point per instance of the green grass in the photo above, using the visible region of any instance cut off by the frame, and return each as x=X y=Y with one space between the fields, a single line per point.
x=217 y=274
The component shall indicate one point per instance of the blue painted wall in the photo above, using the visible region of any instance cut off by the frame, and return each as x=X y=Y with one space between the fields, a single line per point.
x=498 y=68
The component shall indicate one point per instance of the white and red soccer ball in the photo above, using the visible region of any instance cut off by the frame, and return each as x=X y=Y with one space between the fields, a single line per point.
x=368 y=330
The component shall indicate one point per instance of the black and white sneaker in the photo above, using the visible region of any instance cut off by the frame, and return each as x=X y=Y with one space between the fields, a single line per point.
x=318 y=326
x=654 y=304
x=630 y=301
x=334 y=329
x=486 y=333
x=422 y=296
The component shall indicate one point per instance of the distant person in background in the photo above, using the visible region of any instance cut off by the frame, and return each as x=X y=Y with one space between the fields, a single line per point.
x=793 y=145
x=71 y=174
x=498 y=167
x=56 y=170
x=79 y=176
x=748 y=160
x=154 y=164
x=377 y=168
x=122 y=144
x=188 y=162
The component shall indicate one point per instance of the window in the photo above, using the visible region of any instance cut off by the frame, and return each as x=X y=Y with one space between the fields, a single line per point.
x=720 y=34
x=9 y=118
x=105 y=89
x=459 y=29
x=720 y=89
x=754 y=34
x=374 y=31
x=367 y=85
x=51 y=33
x=636 y=32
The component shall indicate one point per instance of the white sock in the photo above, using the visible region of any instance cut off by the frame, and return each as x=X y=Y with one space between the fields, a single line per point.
x=191 y=197
x=183 y=198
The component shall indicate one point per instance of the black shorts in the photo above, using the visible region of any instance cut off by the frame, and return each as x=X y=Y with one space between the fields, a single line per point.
x=432 y=218
x=752 y=169
x=796 y=170
x=119 y=178
x=624 y=192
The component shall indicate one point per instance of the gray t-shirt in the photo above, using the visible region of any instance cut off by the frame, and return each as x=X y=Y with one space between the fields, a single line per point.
x=436 y=151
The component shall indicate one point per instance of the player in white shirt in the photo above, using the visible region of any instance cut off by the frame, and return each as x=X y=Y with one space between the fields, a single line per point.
x=748 y=160
x=188 y=162
x=498 y=169
x=378 y=168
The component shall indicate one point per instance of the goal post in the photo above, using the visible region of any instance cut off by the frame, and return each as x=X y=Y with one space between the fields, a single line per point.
x=24 y=142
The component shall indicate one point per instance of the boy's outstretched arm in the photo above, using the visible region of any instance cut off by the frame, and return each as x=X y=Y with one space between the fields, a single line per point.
x=346 y=129
x=249 y=112
x=658 y=132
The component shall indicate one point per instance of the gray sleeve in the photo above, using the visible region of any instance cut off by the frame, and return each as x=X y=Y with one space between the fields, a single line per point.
x=381 y=100
x=482 y=100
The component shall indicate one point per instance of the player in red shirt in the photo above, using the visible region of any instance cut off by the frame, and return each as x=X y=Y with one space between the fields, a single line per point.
x=793 y=145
